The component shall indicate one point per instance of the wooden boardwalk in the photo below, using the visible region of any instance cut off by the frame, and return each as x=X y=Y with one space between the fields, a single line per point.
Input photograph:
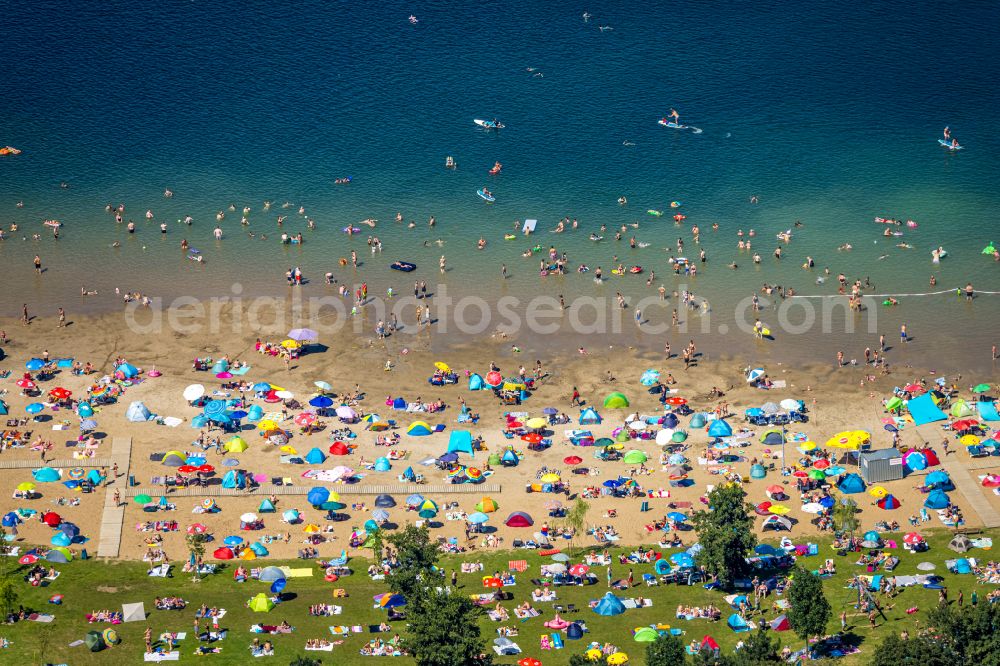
x=970 y=487
x=385 y=489
x=114 y=516
x=60 y=463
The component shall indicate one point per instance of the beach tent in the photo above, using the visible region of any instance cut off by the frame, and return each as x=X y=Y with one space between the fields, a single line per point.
x=737 y=623
x=923 y=410
x=670 y=420
x=271 y=574
x=519 y=519
x=851 y=484
x=339 y=449
x=174 y=459
x=574 y=631
x=780 y=623
x=645 y=635
x=937 y=499
x=960 y=409
x=266 y=506
x=775 y=522
x=419 y=429
x=757 y=471
x=127 y=370
x=382 y=464
x=719 y=428
x=134 y=612
x=889 y=502
x=609 y=605
x=589 y=416
x=10 y=519
x=59 y=555
x=46 y=475
x=698 y=420
x=137 y=412
x=662 y=567
x=960 y=543
x=234 y=478
x=385 y=502
x=399 y=404
x=616 y=400
x=635 y=457
x=939 y=479
x=4 y=410
x=475 y=382
x=236 y=445
x=773 y=436
x=508 y=459
x=315 y=456
x=460 y=441
x=260 y=603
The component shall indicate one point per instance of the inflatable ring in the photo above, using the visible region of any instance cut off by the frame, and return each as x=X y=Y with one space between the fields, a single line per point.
x=330 y=578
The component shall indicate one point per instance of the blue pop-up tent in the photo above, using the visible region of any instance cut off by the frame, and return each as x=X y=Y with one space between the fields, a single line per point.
x=609 y=605
x=937 y=499
x=475 y=382
x=851 y=484
x=923 y=410
x=460 y=441
x=589 y=416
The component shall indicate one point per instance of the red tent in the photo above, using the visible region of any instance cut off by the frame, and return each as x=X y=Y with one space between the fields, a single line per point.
x=932 y=458
x=223 y=554
x=780 y=623
x=708 y=643
x=339 y=449
x=519 y=519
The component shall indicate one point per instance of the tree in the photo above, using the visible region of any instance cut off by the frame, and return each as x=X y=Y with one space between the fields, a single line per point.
x=584 y=660
x=810 y=611
x=919 y=651
x=444 y=631
x=845 y=515
x=196 y=547
x=10 y=586
x=726 y=534
x=417 y=556
x=305 y=661
x=667 y=650
x=576 y=517
x=375 y=541
x=972 y=632
x=759 y=648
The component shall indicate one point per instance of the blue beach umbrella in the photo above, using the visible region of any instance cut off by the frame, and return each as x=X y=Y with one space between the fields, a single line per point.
x=261 y=387
x=213 y=407
x=35 y=364
x=88 y=424
x=34 y=408
x=84 y=410
x=233 y=540
x=238 y=414
x=321 y=401
x=380 y=515
x=478 y=518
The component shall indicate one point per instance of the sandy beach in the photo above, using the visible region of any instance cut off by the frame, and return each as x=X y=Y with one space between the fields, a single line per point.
x=842 y=399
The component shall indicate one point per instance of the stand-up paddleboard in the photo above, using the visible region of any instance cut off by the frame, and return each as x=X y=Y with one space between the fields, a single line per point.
x=673 y=125
x=485 y=196
x=947 y=144
x=488 y=124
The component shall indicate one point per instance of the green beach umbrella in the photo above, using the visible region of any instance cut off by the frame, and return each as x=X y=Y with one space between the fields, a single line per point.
x=142 y=499
x=616 y=400
x=981 y=388
x=817 y=474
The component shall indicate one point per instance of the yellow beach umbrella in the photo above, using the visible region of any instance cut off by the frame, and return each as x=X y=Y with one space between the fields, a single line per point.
x=311 y=529
x=778 y=509
x=878 y=492
x=442 y=366
x=26 y=486
x=334 y=496
x=267 y=424
x=550 y=478
x=289 y=449
x=969 y=440
x=536 y=423
x=291 y=344
x=513 y=386
x=849 y=439
x=807 y=446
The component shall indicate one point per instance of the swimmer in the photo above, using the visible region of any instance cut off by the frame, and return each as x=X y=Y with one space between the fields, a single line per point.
x=622 y=201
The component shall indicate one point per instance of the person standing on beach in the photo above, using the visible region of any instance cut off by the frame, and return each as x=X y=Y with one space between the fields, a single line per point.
x=25 y=319
x=575 y=400
x=881 y=342
x=62 y=318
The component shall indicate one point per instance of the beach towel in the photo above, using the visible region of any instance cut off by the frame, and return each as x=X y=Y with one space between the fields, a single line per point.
x=239 y=372
x=41 y=617
x=172 y=421
x=325 y=648
x=162 y=656
x=517 y=565
x=340 y=630
x=297 y=573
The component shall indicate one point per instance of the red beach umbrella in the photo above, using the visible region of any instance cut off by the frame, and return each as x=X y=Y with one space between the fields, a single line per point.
x=572 y=460
x=25 y=384
x=187 y=469
x=532 y=438
x=59 y=393
x=676 y=401
x=822 y=463
x=206 y=469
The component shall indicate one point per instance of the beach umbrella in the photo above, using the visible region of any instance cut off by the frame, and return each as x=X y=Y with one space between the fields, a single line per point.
x=321 y=402
x=142 y=499
x=926 y=566
x=649 y=377
x=88 y=424
x=572 y=460
x=248 y=518
x=878 y=492
x=233 y=540
x=812 y=507
x=193 y=392
x=478 y=518
x=889 y=502
x=494 y=378
x=302 y=334
x=532 y=438
x=817 y=474
x=26 y=486
x=323 y=386
x=346 y=412
x=536 y=423
x=442 y=366
x=197 y=528
x=775 y=490
x=381 y=515
x=551 y=477
x=34 y=407
x=778 y=509
x=677 y=517
x=59 y=393
x=754 y=375
x=416 y=500
x=915 y=460
x=34 y=364
x=849 y=439
x=790 y=404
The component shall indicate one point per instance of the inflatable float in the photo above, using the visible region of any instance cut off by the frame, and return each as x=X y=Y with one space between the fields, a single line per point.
x=657 y=213
x=351 y=230
x=509 y=236
x=634 y=270
x=404 y=266
x=55 y=224
x=675 y=204
x=343 y=181
x=9 y=150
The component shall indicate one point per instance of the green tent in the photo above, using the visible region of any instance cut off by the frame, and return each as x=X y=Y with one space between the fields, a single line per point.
x=494 y=460
x=678 y=436
x=616 y=400
x=645 y=635
x=261 y=603
x=635 y=457
x=894 y=403
x=961 y=409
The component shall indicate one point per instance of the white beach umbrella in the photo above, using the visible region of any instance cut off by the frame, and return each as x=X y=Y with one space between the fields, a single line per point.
x=193 y=392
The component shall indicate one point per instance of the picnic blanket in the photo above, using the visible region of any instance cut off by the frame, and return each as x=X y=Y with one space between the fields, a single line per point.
x=297 y=573
x=162 y=656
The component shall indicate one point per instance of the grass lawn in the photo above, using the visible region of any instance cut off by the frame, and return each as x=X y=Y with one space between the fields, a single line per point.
x=93 y=585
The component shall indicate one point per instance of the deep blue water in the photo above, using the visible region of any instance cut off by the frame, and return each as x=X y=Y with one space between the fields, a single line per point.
x=828 y=113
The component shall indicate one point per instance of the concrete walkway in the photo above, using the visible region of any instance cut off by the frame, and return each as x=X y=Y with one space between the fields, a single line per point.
x=972 y=490
x=114 y=516
x=399 y=489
